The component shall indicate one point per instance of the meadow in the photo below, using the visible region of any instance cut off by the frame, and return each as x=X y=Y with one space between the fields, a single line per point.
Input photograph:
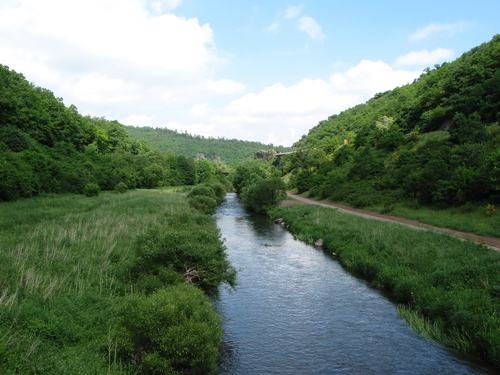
x=116 y=283
x=446 y=289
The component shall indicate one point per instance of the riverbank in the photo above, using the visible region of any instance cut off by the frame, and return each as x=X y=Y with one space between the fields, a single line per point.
x=447 y=288
x=474 y=219
x=492 y=242
x=94 y=285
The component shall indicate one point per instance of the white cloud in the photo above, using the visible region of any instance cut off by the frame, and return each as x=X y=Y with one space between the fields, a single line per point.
x=424 y=57
x=138 y=120
x=101 y=89
x=293 y=11
x=225 y=86
x=309 y=26
x=162 y=6
x=280 y=113
x=437 y=28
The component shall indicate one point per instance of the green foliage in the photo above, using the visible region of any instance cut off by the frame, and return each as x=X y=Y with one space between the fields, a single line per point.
x=121 y=187
x=202 y=190
x=227 y=150
x=451 y=286
x=259 y=185
x=46 y=147
x=248 y=172
x=263 y=194
x=188 y=244
x=203 y=203
x=172 y=331
x=91 y=189
x=70 y=265
x=435 y=141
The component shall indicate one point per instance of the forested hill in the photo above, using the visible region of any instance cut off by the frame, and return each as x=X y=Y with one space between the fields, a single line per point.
x=46 y=147
x=435 y=141
x=227 y=150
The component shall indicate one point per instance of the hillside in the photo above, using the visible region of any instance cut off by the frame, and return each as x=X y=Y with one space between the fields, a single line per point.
x=435 y=141
x=46 y=147
x=227 y=150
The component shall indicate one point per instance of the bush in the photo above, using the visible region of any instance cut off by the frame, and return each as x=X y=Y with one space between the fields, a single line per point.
x=202 y=190
x=175 y=329
x=219 y=190
x=121 y=187
x=188 y=244
x=264 y=194
x=91 y=189
x=203 y=203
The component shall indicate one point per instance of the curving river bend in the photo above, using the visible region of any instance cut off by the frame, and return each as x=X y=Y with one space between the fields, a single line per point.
x=297 y=311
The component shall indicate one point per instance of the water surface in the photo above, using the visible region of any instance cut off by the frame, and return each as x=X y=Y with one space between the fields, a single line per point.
x=295 y=310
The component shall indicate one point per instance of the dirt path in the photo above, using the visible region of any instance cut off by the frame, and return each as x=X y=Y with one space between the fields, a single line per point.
x=491 y=242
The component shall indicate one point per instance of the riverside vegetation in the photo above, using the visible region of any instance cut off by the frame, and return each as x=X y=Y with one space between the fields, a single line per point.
x=434 y=144
x=446 y=289
x=116 y=283
x=430 y=151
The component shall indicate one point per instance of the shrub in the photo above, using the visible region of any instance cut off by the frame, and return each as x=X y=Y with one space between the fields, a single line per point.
x=203 y=203
x=202 y=190
x=490 y=209
x=264 y=194
x=173 y=329
x=186 y=243
x=91 y=189
x=219 y=190
x=121 y=187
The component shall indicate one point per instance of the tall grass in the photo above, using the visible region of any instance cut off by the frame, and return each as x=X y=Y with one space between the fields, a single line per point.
x=451 y=286
x=65 y=269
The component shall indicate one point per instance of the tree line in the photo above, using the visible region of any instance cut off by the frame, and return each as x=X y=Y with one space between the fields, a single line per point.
x=46 y=147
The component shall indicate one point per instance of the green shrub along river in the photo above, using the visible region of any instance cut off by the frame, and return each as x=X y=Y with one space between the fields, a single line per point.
x=447 y=289
x=95 y=285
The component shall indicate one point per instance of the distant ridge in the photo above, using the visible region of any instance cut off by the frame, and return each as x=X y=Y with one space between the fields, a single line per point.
x=227 y=150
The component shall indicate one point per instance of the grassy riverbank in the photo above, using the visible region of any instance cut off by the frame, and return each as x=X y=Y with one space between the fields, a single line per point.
x=447 y=289
x=483 y=220
x=97 y=285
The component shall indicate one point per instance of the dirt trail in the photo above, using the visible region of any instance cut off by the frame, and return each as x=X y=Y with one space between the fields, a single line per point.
x=491 y=242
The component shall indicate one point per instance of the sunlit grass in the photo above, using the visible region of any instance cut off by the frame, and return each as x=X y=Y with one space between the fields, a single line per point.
x=64 y=266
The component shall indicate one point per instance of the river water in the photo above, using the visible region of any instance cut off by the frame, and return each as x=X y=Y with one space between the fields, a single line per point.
x=295 y=310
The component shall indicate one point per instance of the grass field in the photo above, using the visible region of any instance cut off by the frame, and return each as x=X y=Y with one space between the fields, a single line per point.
x=446 y=289
x=79 y=293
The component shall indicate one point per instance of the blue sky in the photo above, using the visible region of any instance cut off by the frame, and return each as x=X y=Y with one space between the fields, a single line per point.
x=257 y=70
x=354 y=30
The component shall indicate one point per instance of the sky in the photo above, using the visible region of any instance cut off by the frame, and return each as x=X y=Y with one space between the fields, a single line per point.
x=248 y=69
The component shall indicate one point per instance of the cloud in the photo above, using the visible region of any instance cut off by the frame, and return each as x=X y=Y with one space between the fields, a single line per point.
x=139 y=120
x=113 y=58
x=305 y=23
x=293 y=11
x=309 y=26
x=280 y=113
x=437 y=28
x=225 y=86
x=425 y=57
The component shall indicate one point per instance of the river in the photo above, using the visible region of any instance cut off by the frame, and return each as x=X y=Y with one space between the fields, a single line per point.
x=295 y=310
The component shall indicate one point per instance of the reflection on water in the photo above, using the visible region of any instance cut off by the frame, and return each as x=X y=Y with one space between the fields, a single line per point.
x=296 y=311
